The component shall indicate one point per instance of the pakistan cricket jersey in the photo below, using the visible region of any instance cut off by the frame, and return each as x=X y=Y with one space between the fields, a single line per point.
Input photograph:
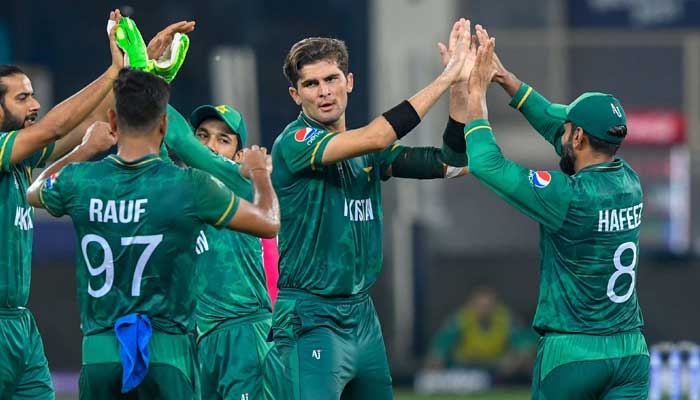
x=17 y=222
x=230 y=264
x=136 y=222
x=589 y=228
x=330 y=240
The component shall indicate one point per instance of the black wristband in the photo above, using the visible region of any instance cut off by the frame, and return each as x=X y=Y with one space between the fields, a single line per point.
x=453 y=136
x=403 y=118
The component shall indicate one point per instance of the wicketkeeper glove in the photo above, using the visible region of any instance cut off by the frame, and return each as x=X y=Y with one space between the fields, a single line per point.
x=170 y=62
x=129 y=39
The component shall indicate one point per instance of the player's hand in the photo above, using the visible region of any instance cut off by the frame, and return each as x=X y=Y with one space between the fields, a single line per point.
x=456 y=60
x=484 y=69
x=447 y=51
x=501 y=71
x=162 y=40
x=254 y=159
x=117 y=54
x=98 y=138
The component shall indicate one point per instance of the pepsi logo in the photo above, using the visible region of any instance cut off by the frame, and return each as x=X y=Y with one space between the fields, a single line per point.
x=540 y=179
x=303 y=134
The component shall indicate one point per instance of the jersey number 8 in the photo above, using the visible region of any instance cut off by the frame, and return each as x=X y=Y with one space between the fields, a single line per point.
x=622 y=270
x=107 y=266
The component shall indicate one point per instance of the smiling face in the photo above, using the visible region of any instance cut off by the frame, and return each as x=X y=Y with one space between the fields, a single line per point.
x=218 y=137
x=18 y=107
x=322 y=92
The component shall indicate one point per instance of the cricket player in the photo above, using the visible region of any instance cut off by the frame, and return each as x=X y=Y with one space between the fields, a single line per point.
x=234 y=312
x=591 y=344
x=137 y=218
x=25 y=144
x=325 y=327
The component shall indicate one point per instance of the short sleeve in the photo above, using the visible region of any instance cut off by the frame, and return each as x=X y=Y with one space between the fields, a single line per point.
x=214 y=203
x=302 y=149
x=55 y=192
x=37 y=159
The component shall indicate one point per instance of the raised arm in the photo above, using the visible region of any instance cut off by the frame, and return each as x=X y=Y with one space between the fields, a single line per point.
x=400 y=120
x=530 y=103
x=262 y=217
x=67 y=115
x=98 y=138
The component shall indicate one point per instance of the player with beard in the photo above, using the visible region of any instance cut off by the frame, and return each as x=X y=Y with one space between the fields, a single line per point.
x=588 y=316
x=25 y=144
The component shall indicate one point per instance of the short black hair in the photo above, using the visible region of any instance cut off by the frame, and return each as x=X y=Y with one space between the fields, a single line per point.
x=141 y=99
x=601 y=146
x=311 y=50
x=7 y=70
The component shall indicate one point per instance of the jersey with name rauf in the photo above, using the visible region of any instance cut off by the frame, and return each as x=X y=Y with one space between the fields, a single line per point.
x=136 y=223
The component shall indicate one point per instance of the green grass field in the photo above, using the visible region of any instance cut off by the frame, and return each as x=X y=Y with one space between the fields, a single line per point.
x=511 y=394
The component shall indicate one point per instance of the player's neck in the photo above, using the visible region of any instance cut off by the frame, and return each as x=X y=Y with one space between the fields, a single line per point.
x=337 y=126
x=586 y=160
x=133 y=148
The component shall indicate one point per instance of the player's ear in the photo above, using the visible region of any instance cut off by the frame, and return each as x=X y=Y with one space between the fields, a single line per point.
x=295 y=95
x=112 y=116
x=577 y=136
x=163 y=125
x=351 y=82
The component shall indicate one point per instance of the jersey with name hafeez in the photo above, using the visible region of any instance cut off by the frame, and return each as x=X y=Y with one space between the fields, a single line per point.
x=589 y=228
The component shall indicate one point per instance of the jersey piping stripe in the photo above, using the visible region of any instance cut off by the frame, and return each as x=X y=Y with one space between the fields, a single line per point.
x=43 y=154
x=475 y=128
x=228 y=209
x=525 y=96
x=4 y=144
x=397 y=144
x=138 y=164
x=43 y=203
x=313 y=155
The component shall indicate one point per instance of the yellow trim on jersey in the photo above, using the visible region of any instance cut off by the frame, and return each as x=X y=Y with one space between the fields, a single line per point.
x=475 y=128
x=42 y=201
x=525 y=96
x=138 y=164
x=28 y=171
x=228 y=209
x=43 y=153
x=313 y=155
x=2 y=150
x=397 y=144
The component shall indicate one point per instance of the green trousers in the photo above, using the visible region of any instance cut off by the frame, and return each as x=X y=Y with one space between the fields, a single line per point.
x=331 y=348
x=24 y=371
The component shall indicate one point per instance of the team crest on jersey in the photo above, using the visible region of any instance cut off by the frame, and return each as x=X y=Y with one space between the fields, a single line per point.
x=51 y=180
x=540 y=179
x=303 y=134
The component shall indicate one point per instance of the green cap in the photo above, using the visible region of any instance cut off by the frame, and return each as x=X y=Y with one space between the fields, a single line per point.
x=226 y=113
x=594 y=112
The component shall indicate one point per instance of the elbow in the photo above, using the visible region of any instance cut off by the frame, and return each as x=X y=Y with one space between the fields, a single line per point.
x=271 y=230
x=33 y=199
x=381 y=142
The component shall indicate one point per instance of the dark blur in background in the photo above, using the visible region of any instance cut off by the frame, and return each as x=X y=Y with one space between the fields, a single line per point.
x=443 y=239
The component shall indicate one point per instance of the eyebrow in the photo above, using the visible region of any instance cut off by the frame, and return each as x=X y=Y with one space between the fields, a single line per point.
x=314 y=80
x=24 y=94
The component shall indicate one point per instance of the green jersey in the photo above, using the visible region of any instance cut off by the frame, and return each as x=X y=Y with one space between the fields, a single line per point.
x=17 y=222
x=330 y=240
x=230 y=263
x=132 y=219
x=589 y=228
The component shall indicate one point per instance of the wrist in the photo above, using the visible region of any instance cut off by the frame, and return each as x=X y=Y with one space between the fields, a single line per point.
x=84 y=152
x=112 y=72
x=252 y=171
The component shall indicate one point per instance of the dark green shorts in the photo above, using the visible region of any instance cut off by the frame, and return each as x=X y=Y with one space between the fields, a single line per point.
x=24 y=371
x=330 y=347
x=172 y=370
x=234 y=359
x=559 y=375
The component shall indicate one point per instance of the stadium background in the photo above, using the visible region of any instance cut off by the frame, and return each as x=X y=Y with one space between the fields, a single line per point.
x=443 y=239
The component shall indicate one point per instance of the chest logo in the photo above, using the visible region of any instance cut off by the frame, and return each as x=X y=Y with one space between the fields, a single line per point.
x=303 y=134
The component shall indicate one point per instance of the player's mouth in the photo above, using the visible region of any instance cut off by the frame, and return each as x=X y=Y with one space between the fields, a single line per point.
x=30 y=120
x=326 y=107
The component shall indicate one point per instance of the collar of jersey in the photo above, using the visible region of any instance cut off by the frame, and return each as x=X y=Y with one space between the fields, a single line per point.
x=309 y=122
x=135 y=163
x=603 y=167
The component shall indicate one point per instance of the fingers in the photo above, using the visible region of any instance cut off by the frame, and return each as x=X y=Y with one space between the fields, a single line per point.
x=443 y=53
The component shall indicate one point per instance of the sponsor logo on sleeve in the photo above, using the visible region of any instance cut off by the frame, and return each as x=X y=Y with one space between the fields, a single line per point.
x=540 y=179
x=307 y=135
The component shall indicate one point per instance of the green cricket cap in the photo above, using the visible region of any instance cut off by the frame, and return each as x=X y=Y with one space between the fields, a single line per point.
x=594 y=112
x=224 y=112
